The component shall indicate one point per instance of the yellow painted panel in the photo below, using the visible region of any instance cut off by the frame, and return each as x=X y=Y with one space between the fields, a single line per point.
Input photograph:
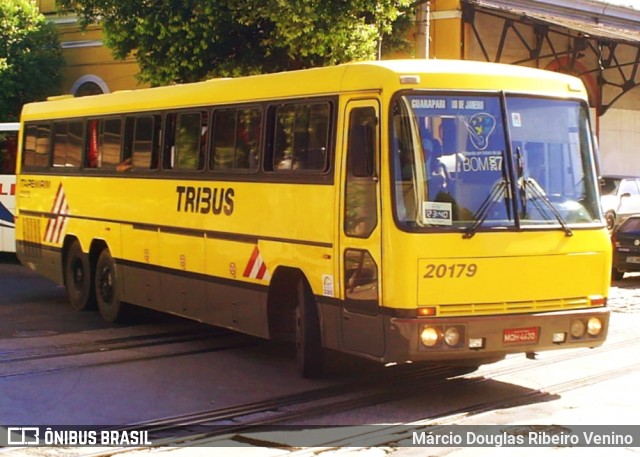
x=514 y=279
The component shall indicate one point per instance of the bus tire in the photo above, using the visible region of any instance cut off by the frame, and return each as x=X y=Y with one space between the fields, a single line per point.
x=106 y=287
x=309 y=352
x=77 y=278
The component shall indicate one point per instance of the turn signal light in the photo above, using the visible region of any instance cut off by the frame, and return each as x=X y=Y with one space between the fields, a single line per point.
x=427 y=311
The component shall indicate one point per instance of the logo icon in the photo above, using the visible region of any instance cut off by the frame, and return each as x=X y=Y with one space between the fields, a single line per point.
x=481 y=126
x=22 y=436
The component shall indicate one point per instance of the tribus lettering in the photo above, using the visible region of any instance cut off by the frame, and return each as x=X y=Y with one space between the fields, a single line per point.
x=205 y=200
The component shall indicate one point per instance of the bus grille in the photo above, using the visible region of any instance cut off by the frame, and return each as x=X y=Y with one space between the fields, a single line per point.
x=538 y=306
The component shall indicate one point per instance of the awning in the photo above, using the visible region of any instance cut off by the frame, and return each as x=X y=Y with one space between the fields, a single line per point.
x=592 y=23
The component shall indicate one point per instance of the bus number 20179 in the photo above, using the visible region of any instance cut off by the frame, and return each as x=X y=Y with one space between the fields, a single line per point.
x=454 y=270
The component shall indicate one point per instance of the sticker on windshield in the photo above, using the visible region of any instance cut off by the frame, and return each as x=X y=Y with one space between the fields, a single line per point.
x=516 y=120
x=480 y=127
x=437 y=213
x=428 y=103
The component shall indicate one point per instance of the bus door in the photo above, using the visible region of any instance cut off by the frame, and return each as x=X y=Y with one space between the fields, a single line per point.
x=360 y=240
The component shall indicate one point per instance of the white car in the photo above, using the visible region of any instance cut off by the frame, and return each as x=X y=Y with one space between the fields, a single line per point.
x=620 y=198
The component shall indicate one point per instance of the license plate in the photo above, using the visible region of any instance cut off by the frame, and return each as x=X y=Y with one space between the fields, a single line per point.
x=633 y=259
x=528 y=335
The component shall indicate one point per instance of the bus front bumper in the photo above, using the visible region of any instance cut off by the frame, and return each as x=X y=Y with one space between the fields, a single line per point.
x=474 y=340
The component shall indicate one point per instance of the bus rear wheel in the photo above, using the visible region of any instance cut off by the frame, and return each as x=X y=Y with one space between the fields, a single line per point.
x=106 y=286
x=309 y=352
x=77 y=278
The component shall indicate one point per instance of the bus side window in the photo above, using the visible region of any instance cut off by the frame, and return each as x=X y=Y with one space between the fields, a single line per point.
x=91 y=159
x=104 y=143
x=144 y=148
x=301 y=137
x=236 y=139
x=37 y=146
x=186 y=141
x=110 y=143
x=67 y=143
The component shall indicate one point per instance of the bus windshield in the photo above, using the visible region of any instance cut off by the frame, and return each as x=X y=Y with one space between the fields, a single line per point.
x=488 y=162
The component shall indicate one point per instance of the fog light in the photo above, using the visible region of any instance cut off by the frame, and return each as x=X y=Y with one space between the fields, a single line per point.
x=594 y=326
x=559 y=337
x=429 y=336
x=476 y=343
x=577 y=329
x=452 y=336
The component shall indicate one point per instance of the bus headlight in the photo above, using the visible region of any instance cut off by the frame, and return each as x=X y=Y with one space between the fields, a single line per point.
x=594 y=326
x=577 y=328
x=452 y=336
x=429 y=336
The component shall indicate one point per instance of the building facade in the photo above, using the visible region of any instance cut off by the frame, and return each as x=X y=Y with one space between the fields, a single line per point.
x=90 y=67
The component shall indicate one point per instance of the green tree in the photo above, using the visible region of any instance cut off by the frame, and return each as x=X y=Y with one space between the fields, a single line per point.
x=30 y=57
x=191 y=40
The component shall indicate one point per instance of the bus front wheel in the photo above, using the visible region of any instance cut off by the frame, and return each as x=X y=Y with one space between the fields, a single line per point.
x=308 y=335
x=77 y=278
x=107 y=295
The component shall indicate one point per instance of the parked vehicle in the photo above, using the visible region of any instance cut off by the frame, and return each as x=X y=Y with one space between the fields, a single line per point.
x=626 y=247
x=620 y=198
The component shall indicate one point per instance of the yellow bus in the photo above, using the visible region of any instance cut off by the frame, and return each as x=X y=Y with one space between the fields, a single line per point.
x=403 y=211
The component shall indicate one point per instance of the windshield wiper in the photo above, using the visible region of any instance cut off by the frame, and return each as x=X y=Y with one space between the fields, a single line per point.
x=499 y=190
x=530 y=184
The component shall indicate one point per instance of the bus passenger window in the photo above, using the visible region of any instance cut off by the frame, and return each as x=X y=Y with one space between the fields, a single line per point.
x=110 y=142
x=186 y=141
x=67 y=144
x=236 y=139
x=36 y=146
x=144 y=152
x=302 y=137
x=91 y=157
x=103 y=148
